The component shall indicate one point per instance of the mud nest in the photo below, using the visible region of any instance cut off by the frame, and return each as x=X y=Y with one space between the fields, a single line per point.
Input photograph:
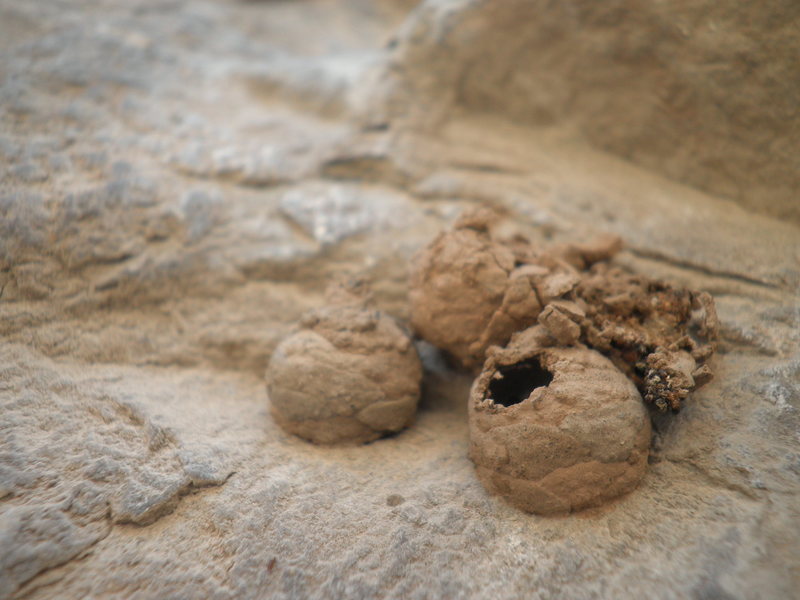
x=348 y=375
x=566 y=346
x=556 y=430
x=470 y=291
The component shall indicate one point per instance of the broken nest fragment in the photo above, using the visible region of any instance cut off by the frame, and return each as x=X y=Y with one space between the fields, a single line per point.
x=470 y=291
x=556 y=430
x=349 y=375
x=658 y=335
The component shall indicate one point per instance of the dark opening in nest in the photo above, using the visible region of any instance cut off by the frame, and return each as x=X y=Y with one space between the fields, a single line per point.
x=518 y=381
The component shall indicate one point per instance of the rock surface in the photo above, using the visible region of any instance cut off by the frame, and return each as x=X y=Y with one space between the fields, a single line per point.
x=703 y=93
x=179 y=179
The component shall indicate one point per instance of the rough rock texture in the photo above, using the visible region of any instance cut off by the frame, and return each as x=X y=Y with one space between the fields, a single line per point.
x=150 y=258
x=703 y=92
x=81 y=454
x=556 y=430
x=350 y=375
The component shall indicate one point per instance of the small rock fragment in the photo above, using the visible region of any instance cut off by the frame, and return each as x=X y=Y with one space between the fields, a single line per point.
x=583 y=255
x=556 y=285
x=702 y=375
x=559 y=325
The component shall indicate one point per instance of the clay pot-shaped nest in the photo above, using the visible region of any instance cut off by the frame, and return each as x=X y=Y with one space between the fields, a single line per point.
x=469 y=291
x=556 y=430
x=457 y=286
x=349 y=375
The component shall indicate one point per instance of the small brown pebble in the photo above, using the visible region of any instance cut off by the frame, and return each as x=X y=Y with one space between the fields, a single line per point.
x=559 y=325
x=557 y=284
x=702 y=375
x=394 y=500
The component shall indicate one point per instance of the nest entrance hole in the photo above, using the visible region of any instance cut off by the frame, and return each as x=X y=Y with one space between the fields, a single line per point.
x=518 y=381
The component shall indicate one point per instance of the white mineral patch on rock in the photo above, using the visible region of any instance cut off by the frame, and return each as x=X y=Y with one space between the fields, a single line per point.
x=331 y=212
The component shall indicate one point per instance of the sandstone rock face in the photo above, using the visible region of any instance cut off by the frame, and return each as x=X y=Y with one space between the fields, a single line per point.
x=179 y=180
x=703 y=93
x=556 y=430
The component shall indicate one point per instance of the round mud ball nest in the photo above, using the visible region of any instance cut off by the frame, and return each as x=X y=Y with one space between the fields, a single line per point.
x=556 y=430
x=469 y=291
x=462 y=294
x=349 y=375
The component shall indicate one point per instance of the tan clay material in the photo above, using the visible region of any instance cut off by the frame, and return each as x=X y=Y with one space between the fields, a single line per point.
x=349 y=375
x=462 y=293
x=470 y=291
x=556 y=430
x=658 y=335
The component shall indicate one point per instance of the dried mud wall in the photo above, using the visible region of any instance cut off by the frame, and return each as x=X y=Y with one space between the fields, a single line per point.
x=703 y=92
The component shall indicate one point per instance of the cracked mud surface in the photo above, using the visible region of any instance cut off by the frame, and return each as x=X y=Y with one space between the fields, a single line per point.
x=179 y=180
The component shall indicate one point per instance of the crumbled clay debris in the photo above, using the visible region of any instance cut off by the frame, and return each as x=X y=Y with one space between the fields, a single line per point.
x=555 y=430
x=470 y=291
x=349 y=375
x=658 y=335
